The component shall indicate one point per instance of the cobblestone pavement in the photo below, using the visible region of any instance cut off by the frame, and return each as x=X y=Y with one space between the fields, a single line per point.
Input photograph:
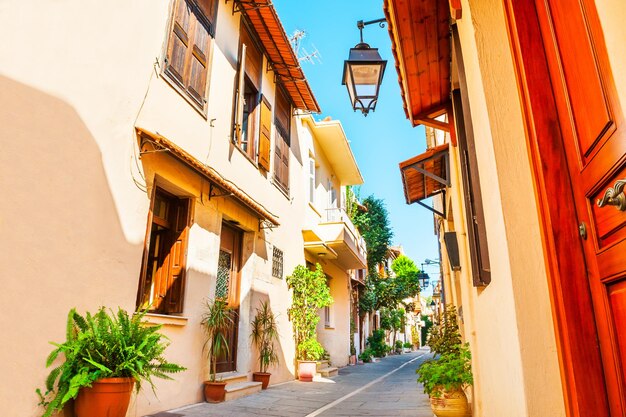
x=385 y=388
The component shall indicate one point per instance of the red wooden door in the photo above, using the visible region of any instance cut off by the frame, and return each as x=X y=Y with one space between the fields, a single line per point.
x=577 y=134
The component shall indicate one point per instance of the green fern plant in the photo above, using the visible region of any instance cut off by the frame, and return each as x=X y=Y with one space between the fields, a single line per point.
x=104 y=345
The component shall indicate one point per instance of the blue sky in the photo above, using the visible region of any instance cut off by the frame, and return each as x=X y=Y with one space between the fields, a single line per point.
x=382 y=139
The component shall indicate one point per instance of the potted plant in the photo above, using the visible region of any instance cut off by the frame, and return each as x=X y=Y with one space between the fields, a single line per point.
x=105 y=355
x=444 y=379
x=408 y=347
x=216 y=322
x=398 y=346
x=264 y=334
x=310 y=292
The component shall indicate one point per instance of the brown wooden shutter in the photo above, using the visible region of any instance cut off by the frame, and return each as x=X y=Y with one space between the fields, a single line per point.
x=265 y=135
x=198 y=62
x=240 y=95
x=179 y=41
x=254 y=58
x=476 y=230
x=285 y=164
x=177 y=258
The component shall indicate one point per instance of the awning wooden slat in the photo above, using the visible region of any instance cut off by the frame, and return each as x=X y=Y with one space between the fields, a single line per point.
x=420 y=41
x=265 y=22
x=426 y=174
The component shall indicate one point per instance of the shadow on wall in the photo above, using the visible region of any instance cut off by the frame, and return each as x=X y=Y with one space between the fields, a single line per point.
x=62 y=241
x=281 y=371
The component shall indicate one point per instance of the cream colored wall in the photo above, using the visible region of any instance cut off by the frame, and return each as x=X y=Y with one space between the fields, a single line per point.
x=509 y=322
x=76 y=218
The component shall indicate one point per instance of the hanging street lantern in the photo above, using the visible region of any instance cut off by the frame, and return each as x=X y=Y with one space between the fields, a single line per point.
x=363 y=73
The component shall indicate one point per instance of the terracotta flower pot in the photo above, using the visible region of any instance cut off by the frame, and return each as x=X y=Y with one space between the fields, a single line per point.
x=107 y=397
x=450 y=403
x=307 y=370
x=352 y=359
x=262 y=377
x=214 y=392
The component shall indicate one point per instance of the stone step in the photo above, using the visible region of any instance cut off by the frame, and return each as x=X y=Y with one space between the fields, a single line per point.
x=241 y=389
x=232 y=377
x=321 y=364
x=328 y=371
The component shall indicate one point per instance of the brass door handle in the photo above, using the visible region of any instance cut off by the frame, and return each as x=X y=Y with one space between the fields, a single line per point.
x=614 y=196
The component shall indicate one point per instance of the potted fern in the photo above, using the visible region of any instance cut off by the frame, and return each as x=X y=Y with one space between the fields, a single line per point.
x=310 y=292
x=264 y=334
x=216 y=322
x=105 y=355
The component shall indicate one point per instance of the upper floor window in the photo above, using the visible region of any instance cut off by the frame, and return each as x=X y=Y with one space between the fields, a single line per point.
x=282 y=121
x=162 y=281
x=187 y=57
x=247 y=95
x=312 y=178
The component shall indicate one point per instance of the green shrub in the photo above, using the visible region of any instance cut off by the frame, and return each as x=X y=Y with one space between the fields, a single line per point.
x=310 y=350
x=398 y=344
x=376 y=343
x=104 y=345
x=450 y=371
x=366 y=356
x=445 y=337
x=408 y=345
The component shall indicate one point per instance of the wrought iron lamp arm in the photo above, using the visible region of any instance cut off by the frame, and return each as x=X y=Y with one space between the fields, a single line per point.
x=361 y=24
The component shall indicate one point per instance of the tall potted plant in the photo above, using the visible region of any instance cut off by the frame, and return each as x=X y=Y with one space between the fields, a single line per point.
x=310 y=292
x=216 y=322
x=445 y=377
x=264 y=334
x=105 y=355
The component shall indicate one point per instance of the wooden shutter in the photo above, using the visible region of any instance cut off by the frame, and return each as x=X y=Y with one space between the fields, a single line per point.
x=198 y=62
x=240 y=95
x=254 y=58
x=476 y=230
x=264 y=135
x=188 y=49
x=179 y=41
x=178 y=254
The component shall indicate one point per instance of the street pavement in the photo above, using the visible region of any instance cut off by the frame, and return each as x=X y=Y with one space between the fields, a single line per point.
x=385 y=388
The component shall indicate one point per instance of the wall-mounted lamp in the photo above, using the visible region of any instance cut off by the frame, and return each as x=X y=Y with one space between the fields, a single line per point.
x=363 y=72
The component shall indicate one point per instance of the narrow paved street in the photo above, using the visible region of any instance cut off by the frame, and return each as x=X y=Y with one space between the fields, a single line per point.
x=385 y=388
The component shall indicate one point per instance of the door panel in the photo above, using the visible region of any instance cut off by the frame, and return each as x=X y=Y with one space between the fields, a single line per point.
x=581 y=73
x=617 y=297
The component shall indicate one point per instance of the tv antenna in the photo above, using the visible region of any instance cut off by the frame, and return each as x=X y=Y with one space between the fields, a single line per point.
x=301 y=52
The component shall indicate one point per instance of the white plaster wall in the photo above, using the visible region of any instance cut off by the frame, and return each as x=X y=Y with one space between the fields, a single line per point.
x=74 y=87
x=508 y=323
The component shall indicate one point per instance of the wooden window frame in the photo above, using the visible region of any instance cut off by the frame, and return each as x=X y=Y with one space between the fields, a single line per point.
x=312 y=180
x=248 y=94
x=475 y=217
x=171 y=303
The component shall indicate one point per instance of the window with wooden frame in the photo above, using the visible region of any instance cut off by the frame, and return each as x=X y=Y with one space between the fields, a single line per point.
x=187 y=56
x=162 y=282
x=476 y=230
x=282 y=121
x=247 y=94
x=312 y=180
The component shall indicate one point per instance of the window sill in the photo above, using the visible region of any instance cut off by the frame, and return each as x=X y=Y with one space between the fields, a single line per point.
x=244 y=153
x=166 y=320
x=329 y=327
x=281 y=189
x=202 y=111
x=315 y=209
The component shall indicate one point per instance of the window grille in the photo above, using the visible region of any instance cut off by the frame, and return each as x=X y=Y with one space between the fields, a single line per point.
x=277 y=263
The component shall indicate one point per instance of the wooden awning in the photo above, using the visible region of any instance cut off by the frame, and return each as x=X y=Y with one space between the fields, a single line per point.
x=420 y=42
x=265 y=22
x=426 y=175
x=160 y=143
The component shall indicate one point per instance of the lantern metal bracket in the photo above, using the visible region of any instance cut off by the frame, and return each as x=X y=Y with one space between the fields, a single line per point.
x=361 y=25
